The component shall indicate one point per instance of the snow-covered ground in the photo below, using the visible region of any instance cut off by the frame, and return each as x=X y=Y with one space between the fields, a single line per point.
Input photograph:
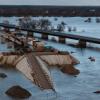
x=67 y=87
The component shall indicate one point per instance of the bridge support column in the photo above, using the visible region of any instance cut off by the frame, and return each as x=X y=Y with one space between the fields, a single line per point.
x=44 y=36
x=17 y=30
x=30 y=34
x=10 y=44
x=2 y=40
x=82 y=44
x=6 y=30
x=62 y=40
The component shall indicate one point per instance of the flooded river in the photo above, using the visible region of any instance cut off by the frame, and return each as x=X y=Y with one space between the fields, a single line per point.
x=67 y=87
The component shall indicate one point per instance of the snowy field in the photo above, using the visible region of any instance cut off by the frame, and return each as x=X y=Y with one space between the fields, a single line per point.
x=67 y=87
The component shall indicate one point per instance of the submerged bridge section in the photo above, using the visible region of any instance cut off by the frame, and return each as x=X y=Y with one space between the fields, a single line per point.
x=62 y=36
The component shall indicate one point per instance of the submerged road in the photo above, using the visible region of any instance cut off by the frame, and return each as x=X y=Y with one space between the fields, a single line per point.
x=59 y=34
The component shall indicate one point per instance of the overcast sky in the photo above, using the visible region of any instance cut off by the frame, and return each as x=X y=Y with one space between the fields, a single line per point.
x=50 y=2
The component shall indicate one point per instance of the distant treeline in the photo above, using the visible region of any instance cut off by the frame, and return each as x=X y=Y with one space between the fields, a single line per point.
x=16 y=10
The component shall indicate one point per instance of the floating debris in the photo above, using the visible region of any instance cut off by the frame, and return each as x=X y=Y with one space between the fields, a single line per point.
x=97 y=92
x=88 y=20
x=91 y=58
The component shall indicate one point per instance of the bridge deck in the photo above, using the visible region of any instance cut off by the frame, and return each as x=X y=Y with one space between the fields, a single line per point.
x=59 y=34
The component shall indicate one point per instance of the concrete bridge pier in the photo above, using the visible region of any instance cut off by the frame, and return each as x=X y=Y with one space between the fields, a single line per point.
x=6 y=30
x=62 y=40
x=44 y=36
x=2 y=40
x=82 y=44
x=30 y=34
x=17 y=30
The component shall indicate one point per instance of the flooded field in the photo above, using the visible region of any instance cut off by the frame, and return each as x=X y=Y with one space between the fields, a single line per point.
x=67 y=87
